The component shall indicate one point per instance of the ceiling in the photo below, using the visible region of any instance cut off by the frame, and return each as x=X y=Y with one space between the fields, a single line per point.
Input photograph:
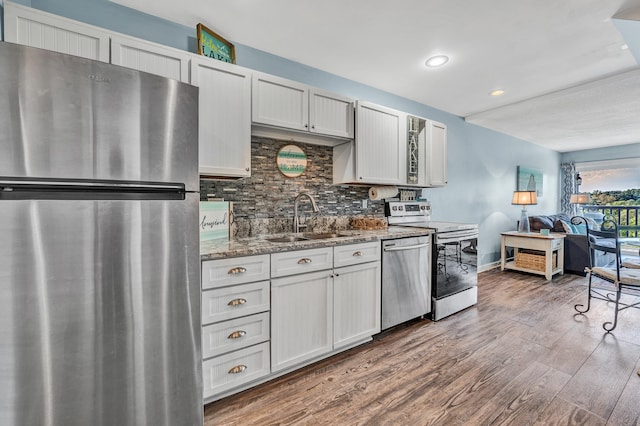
x=569 y=71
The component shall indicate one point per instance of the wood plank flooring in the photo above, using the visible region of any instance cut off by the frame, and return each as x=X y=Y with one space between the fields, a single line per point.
x=522 y=356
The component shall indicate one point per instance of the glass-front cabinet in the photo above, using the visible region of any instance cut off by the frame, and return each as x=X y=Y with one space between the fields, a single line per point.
x=426 y=152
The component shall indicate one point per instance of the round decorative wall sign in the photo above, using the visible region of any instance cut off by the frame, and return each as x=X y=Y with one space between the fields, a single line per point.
x=291 y=160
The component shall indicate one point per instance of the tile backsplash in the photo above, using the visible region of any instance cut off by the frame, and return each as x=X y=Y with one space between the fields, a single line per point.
x=263 y=203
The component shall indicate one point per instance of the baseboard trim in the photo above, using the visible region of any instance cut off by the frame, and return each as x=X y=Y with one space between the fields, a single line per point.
x=489 y=266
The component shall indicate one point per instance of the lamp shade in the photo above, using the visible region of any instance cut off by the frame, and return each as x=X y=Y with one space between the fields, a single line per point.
x=580 y=198
x=524 y=198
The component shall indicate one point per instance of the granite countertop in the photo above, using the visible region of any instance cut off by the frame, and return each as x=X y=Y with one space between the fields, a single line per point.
x=260 y=245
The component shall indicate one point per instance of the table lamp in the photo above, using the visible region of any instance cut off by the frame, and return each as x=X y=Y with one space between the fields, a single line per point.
x=524 y=199
x=578 y=199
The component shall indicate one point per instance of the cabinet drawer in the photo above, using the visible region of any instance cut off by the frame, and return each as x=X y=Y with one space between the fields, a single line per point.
x=232 y=302
x=225 y=372
x=353 y=254
x=556 y=244
x=301 y=261
x=235 y=334
x=236 y=270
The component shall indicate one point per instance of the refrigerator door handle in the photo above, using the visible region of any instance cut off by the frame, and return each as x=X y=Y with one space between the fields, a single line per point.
x=34 y=184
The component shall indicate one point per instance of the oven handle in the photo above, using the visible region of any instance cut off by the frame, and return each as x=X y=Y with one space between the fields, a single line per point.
x=456 y=239
x=401 y=248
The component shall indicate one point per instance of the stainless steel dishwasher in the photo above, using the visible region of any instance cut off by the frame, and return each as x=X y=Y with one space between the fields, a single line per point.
x=406 y=279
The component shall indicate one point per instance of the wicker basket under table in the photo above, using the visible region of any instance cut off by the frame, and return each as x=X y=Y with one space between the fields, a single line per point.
x=534 y=259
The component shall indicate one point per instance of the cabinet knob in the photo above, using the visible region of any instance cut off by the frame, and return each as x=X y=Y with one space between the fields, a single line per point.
x=306 y=126
x=237 y=302
x=304 y=260
x=237 y=334
x=247 y=169
x=238 y=270
x=237 y=369
x=313 y=126
x=357 y=254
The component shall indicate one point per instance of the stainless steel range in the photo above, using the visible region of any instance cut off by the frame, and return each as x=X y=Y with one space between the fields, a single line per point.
x=454 y=273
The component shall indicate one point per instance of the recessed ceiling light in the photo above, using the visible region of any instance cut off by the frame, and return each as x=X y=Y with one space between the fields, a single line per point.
x=436 y=61
x=497 y=92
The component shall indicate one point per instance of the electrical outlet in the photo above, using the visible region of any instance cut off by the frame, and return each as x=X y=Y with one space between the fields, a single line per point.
x=364 y=203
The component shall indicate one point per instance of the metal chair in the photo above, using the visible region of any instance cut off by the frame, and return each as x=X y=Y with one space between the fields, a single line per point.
x=625 y=280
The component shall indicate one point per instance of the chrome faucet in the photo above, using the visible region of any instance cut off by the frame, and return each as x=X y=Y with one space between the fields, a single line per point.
x=296 y=219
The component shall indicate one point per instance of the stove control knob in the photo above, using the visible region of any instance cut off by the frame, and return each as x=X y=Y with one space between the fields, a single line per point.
x=400 y=208
x=394 y=208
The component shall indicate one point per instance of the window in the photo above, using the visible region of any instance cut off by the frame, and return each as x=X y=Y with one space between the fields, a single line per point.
x=614 y=187
x=611 y=175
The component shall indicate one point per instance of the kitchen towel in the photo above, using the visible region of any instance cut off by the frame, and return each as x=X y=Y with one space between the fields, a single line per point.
x=382 y=192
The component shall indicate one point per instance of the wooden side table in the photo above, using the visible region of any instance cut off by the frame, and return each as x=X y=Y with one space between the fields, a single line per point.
x=548 y=244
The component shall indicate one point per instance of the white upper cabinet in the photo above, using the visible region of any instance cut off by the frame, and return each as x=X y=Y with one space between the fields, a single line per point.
x=224 y=117
x=150 y=57
x=35 y=28
x=437 y=154
x=287 y=104
x=378 y=154
x=426 y=152
x=392 y=148
x=280 y=102
x=331 y=114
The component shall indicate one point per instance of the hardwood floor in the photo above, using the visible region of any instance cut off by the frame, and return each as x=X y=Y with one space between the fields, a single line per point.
x=522 y=356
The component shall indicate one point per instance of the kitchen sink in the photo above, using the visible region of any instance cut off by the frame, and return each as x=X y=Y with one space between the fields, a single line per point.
x=287 y=239
x=306 y=237
x=326 y=235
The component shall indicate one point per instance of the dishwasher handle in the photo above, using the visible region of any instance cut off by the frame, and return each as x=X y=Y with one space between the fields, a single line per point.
x=402 y=248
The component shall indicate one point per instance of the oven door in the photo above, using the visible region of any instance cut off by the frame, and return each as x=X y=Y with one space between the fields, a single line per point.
x=455 y=264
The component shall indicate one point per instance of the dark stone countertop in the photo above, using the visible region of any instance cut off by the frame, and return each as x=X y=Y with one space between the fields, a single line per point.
x=260 y=245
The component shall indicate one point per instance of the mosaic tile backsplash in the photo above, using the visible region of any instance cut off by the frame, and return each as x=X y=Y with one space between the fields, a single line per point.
x=263 y=203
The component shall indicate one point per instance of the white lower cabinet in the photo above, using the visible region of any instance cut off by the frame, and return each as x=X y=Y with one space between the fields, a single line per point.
x=321 y=312
x=226 y=303
x=236 y=326
x=301 y=261
x=356 y=303
x=234 y=369
x=227 y=336
x=301 y=318
x=317 y=302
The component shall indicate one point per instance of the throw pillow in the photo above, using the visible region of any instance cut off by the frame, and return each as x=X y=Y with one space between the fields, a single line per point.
x=537 y=223
x=592 y=224
x=581 y=229
x=558 y=225
x=559 y=216
x=568 y=227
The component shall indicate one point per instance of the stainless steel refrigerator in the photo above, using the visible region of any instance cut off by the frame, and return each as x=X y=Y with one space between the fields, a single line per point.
x=99 y=258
